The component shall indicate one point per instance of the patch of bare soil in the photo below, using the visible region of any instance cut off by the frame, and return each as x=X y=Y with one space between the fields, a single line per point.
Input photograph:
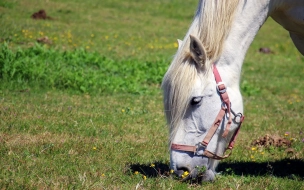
x=41 y=14
x=271 y=140
x=265 y=50
x=276 y=141
x=44 y=40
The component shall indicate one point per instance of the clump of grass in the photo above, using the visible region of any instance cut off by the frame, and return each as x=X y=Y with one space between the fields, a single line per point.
x=77 y=70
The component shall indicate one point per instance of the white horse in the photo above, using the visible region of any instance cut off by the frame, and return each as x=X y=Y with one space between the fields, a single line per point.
x=202 y=99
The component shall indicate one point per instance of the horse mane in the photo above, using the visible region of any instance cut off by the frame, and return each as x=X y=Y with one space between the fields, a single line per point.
x=211 y=24
x=215 y=20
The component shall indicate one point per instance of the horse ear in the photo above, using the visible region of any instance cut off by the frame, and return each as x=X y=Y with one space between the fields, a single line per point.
x=179 y=43
x=197 y=51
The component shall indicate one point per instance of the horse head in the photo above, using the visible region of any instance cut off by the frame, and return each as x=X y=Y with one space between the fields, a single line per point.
x=193 y=104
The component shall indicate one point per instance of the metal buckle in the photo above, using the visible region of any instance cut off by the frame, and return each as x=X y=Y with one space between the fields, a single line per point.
x=225 y=106
x=223 y=90
x=238 y=115
x=199 y=146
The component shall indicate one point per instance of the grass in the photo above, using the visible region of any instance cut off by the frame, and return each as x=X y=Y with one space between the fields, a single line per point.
x=58 y=140
x=77 y=70
x=57 y=134
x=118 y=30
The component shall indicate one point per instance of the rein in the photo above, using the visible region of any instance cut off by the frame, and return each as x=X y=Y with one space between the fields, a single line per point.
x=225 y=109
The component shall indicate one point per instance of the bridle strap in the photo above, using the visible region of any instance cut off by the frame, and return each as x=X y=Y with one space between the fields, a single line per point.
x=224 y=96
x=218 y=120
x=194 y=149
x=183 y=147
x=229 y=147
x=216 y=157
x=214 y=126
x=233 y=138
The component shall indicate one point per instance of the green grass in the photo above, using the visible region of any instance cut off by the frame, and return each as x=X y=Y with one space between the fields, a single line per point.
x=77 y=70
x=120 y=30
x=85 y=112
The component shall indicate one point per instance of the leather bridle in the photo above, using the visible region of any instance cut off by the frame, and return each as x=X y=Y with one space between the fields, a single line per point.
x=225 y=109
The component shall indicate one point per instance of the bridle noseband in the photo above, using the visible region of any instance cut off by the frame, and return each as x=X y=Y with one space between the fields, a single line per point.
x=225 y=109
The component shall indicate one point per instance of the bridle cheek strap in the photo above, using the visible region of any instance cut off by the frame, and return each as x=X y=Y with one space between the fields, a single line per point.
x=218 y=120
x=215 y=125
x=224 y=96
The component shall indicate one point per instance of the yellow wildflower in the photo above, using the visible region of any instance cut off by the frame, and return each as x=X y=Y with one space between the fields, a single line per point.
x=293 y=139
x=136 y=172
x=175 y=44
x=152 y=165
x=185 y=174
x=144 y=177
x=94 y=148
x=253 y=148
x=171 y=171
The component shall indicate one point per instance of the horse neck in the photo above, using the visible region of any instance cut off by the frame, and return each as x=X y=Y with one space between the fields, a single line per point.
x=249 y=17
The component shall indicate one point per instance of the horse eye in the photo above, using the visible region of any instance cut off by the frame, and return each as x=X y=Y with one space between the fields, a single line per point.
x=196 y=100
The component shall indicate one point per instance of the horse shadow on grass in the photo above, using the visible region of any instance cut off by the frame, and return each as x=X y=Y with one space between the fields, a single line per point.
x=290 y=168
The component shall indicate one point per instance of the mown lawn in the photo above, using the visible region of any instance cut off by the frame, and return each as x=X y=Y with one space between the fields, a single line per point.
x=84 y=110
